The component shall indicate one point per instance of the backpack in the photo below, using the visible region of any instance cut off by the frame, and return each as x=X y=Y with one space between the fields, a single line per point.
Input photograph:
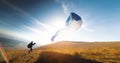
x=29 y=45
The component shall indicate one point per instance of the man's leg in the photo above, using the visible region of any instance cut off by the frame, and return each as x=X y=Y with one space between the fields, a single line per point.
x=30 y=50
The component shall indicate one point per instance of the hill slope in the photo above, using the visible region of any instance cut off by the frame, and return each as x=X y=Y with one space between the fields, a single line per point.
x=68 y=52
x=71 y=44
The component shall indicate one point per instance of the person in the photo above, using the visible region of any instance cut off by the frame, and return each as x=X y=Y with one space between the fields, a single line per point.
x=30 y=45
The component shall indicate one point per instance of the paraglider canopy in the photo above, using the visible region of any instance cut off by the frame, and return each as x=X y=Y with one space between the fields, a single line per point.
x=75 y=16
x=73 y=23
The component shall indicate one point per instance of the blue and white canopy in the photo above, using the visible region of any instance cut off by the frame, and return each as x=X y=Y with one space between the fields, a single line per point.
x=72 y=23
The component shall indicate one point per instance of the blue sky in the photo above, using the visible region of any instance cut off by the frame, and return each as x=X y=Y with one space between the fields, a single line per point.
x=38 y=20
x=100 y=16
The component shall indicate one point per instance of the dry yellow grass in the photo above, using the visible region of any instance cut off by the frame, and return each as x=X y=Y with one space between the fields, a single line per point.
x=101 y=53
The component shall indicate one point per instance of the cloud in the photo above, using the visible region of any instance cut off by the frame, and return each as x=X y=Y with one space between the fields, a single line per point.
x=84 y=26
x=63 y=5
x=65 y=8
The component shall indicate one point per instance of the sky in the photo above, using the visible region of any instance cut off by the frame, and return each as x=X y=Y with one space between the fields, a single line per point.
x=38 y=20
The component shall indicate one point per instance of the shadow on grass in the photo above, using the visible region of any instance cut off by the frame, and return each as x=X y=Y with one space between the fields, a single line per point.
x=55 y=57
x=3 y=62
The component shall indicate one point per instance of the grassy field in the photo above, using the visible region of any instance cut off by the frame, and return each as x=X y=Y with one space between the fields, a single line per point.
x=68 y=52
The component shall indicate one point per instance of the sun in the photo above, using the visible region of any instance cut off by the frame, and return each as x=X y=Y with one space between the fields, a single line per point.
x=43 y=37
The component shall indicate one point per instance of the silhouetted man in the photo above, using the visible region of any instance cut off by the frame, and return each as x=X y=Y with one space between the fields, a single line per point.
x=30 y=45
